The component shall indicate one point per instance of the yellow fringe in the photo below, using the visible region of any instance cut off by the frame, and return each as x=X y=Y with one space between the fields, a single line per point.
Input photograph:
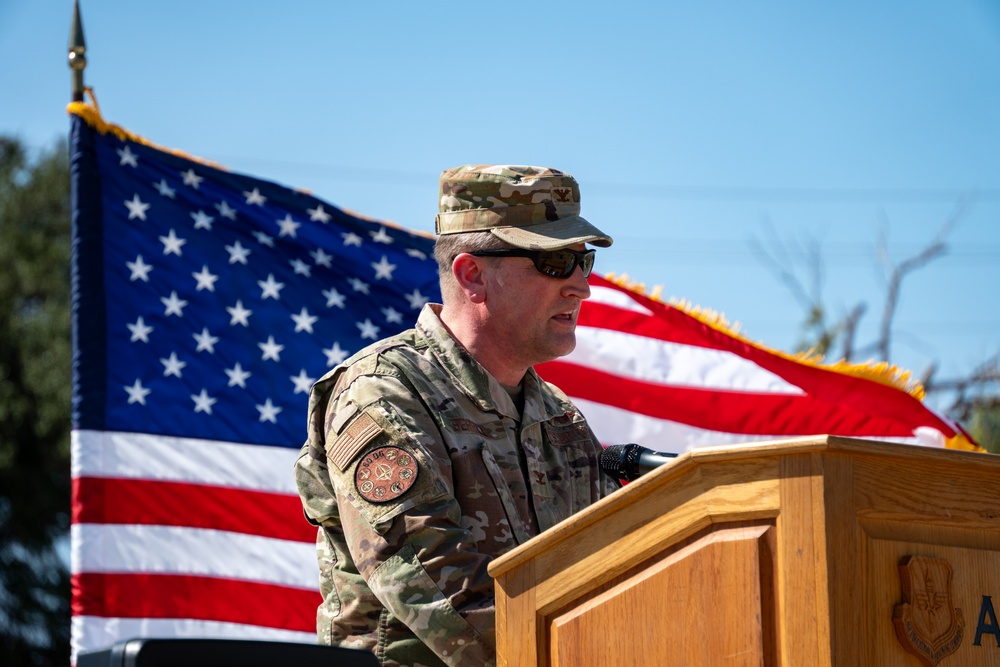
x=91 y=114
x=961 y=442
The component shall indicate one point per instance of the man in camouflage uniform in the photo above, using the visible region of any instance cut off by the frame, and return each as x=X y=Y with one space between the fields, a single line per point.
x=434 y=451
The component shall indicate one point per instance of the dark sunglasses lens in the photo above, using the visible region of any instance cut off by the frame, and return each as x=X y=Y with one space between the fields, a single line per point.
x=556 y=263
x=562 y=263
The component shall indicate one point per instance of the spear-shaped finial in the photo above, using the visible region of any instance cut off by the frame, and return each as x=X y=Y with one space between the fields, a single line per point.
x=77 y=52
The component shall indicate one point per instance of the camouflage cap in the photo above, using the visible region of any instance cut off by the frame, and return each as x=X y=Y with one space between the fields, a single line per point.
x=529 y=207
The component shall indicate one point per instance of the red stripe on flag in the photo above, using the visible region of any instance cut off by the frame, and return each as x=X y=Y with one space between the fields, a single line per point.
x=717 y=410
x=201 y=598
x=146 y=502
x=853 y=393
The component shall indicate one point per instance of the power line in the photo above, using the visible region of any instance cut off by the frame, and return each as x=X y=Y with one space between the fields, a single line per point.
x=785 y=194
x=723 y=193
x=988 y=254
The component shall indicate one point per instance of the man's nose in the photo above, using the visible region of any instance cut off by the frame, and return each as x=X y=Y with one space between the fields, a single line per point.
x=577 y=285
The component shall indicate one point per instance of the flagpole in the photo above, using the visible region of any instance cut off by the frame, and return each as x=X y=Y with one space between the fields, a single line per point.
x=77 y=52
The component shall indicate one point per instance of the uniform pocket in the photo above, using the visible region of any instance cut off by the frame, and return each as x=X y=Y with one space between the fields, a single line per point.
x=521 y=532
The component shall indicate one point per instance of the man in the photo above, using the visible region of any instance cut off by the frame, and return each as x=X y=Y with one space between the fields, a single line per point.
x=432 y=452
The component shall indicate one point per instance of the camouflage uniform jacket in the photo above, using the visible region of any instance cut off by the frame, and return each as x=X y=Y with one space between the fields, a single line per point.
x=412 y=471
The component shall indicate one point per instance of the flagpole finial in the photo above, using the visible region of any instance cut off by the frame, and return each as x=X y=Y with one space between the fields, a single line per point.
x=77 y=52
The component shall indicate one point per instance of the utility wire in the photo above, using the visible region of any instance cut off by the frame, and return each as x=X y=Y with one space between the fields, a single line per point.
x=662 y=190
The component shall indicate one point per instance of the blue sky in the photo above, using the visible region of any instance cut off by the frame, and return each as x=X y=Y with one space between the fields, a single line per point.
x=693 y=128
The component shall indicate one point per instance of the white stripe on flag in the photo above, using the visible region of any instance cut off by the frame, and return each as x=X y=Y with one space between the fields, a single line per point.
x=119 y=549
x=616 y=298
x=676 y=364
x=167 y=458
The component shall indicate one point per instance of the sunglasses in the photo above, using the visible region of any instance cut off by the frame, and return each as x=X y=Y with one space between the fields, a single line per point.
x=553 y=263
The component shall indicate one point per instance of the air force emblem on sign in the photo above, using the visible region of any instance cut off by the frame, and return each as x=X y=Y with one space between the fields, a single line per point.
x=927 y=624
x=385 y=474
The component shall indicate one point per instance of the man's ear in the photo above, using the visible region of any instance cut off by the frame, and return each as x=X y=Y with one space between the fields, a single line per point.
x=468 y=271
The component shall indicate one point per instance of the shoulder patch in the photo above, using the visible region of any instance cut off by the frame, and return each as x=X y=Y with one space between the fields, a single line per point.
x=385 y=474
x=352 y=440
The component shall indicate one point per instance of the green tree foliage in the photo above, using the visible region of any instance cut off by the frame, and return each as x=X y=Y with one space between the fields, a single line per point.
x=985 y=425
x=35 y=361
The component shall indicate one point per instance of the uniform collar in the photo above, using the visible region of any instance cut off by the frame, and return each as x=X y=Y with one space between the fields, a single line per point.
x=475 y=381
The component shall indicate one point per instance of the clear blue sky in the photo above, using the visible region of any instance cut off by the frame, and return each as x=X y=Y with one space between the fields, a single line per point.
x=692 y=127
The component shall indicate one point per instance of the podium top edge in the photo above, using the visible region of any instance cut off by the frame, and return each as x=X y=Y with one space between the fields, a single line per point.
x=832 y=444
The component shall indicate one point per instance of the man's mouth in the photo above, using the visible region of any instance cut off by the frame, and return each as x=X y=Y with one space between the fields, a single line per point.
x=569 y=317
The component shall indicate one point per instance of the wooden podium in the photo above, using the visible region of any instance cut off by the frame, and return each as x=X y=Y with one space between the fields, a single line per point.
x=805 y=552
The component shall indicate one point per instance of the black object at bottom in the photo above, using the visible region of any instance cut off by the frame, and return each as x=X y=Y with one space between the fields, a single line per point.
x=223 y=653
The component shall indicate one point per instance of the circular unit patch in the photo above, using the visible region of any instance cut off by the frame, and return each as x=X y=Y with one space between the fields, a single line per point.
x=385 y=474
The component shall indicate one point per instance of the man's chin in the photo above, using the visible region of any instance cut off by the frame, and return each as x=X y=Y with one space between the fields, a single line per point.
x=564 y=348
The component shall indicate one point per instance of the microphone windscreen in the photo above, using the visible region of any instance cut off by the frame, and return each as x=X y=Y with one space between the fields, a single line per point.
x=612 y=461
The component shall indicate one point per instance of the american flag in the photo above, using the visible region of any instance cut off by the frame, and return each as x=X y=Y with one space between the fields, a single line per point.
x=205 y=305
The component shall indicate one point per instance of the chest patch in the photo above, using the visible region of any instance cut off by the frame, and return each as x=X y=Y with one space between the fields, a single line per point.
x=493 y=430
x=568 y=435
x=385 y=474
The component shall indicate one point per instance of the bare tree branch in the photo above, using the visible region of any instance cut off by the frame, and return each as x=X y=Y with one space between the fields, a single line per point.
x=970 y=390
x=892 y=294
x=782 y=261
x=777 y=257
x=849 y=326
x=898 y=272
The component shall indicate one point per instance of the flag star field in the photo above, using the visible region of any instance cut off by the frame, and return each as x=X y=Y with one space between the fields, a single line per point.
x=227 y=297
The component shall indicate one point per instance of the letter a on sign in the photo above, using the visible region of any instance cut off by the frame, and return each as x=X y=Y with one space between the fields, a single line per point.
x=987 y=622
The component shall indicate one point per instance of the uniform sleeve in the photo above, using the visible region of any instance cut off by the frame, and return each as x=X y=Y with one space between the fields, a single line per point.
x=402 y=523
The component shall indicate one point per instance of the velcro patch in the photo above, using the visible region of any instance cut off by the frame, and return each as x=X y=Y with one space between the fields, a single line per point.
x=493 y=430
x=569 y=434
x=343 y=416
x=385 y=474
x=351 y=441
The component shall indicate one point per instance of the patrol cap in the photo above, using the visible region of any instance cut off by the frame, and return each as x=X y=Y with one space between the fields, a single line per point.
x=535 y=208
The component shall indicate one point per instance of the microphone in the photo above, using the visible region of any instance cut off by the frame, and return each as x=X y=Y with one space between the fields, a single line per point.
x=629 y=462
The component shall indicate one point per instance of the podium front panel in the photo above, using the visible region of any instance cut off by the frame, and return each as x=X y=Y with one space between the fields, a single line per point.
x=710 y=603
